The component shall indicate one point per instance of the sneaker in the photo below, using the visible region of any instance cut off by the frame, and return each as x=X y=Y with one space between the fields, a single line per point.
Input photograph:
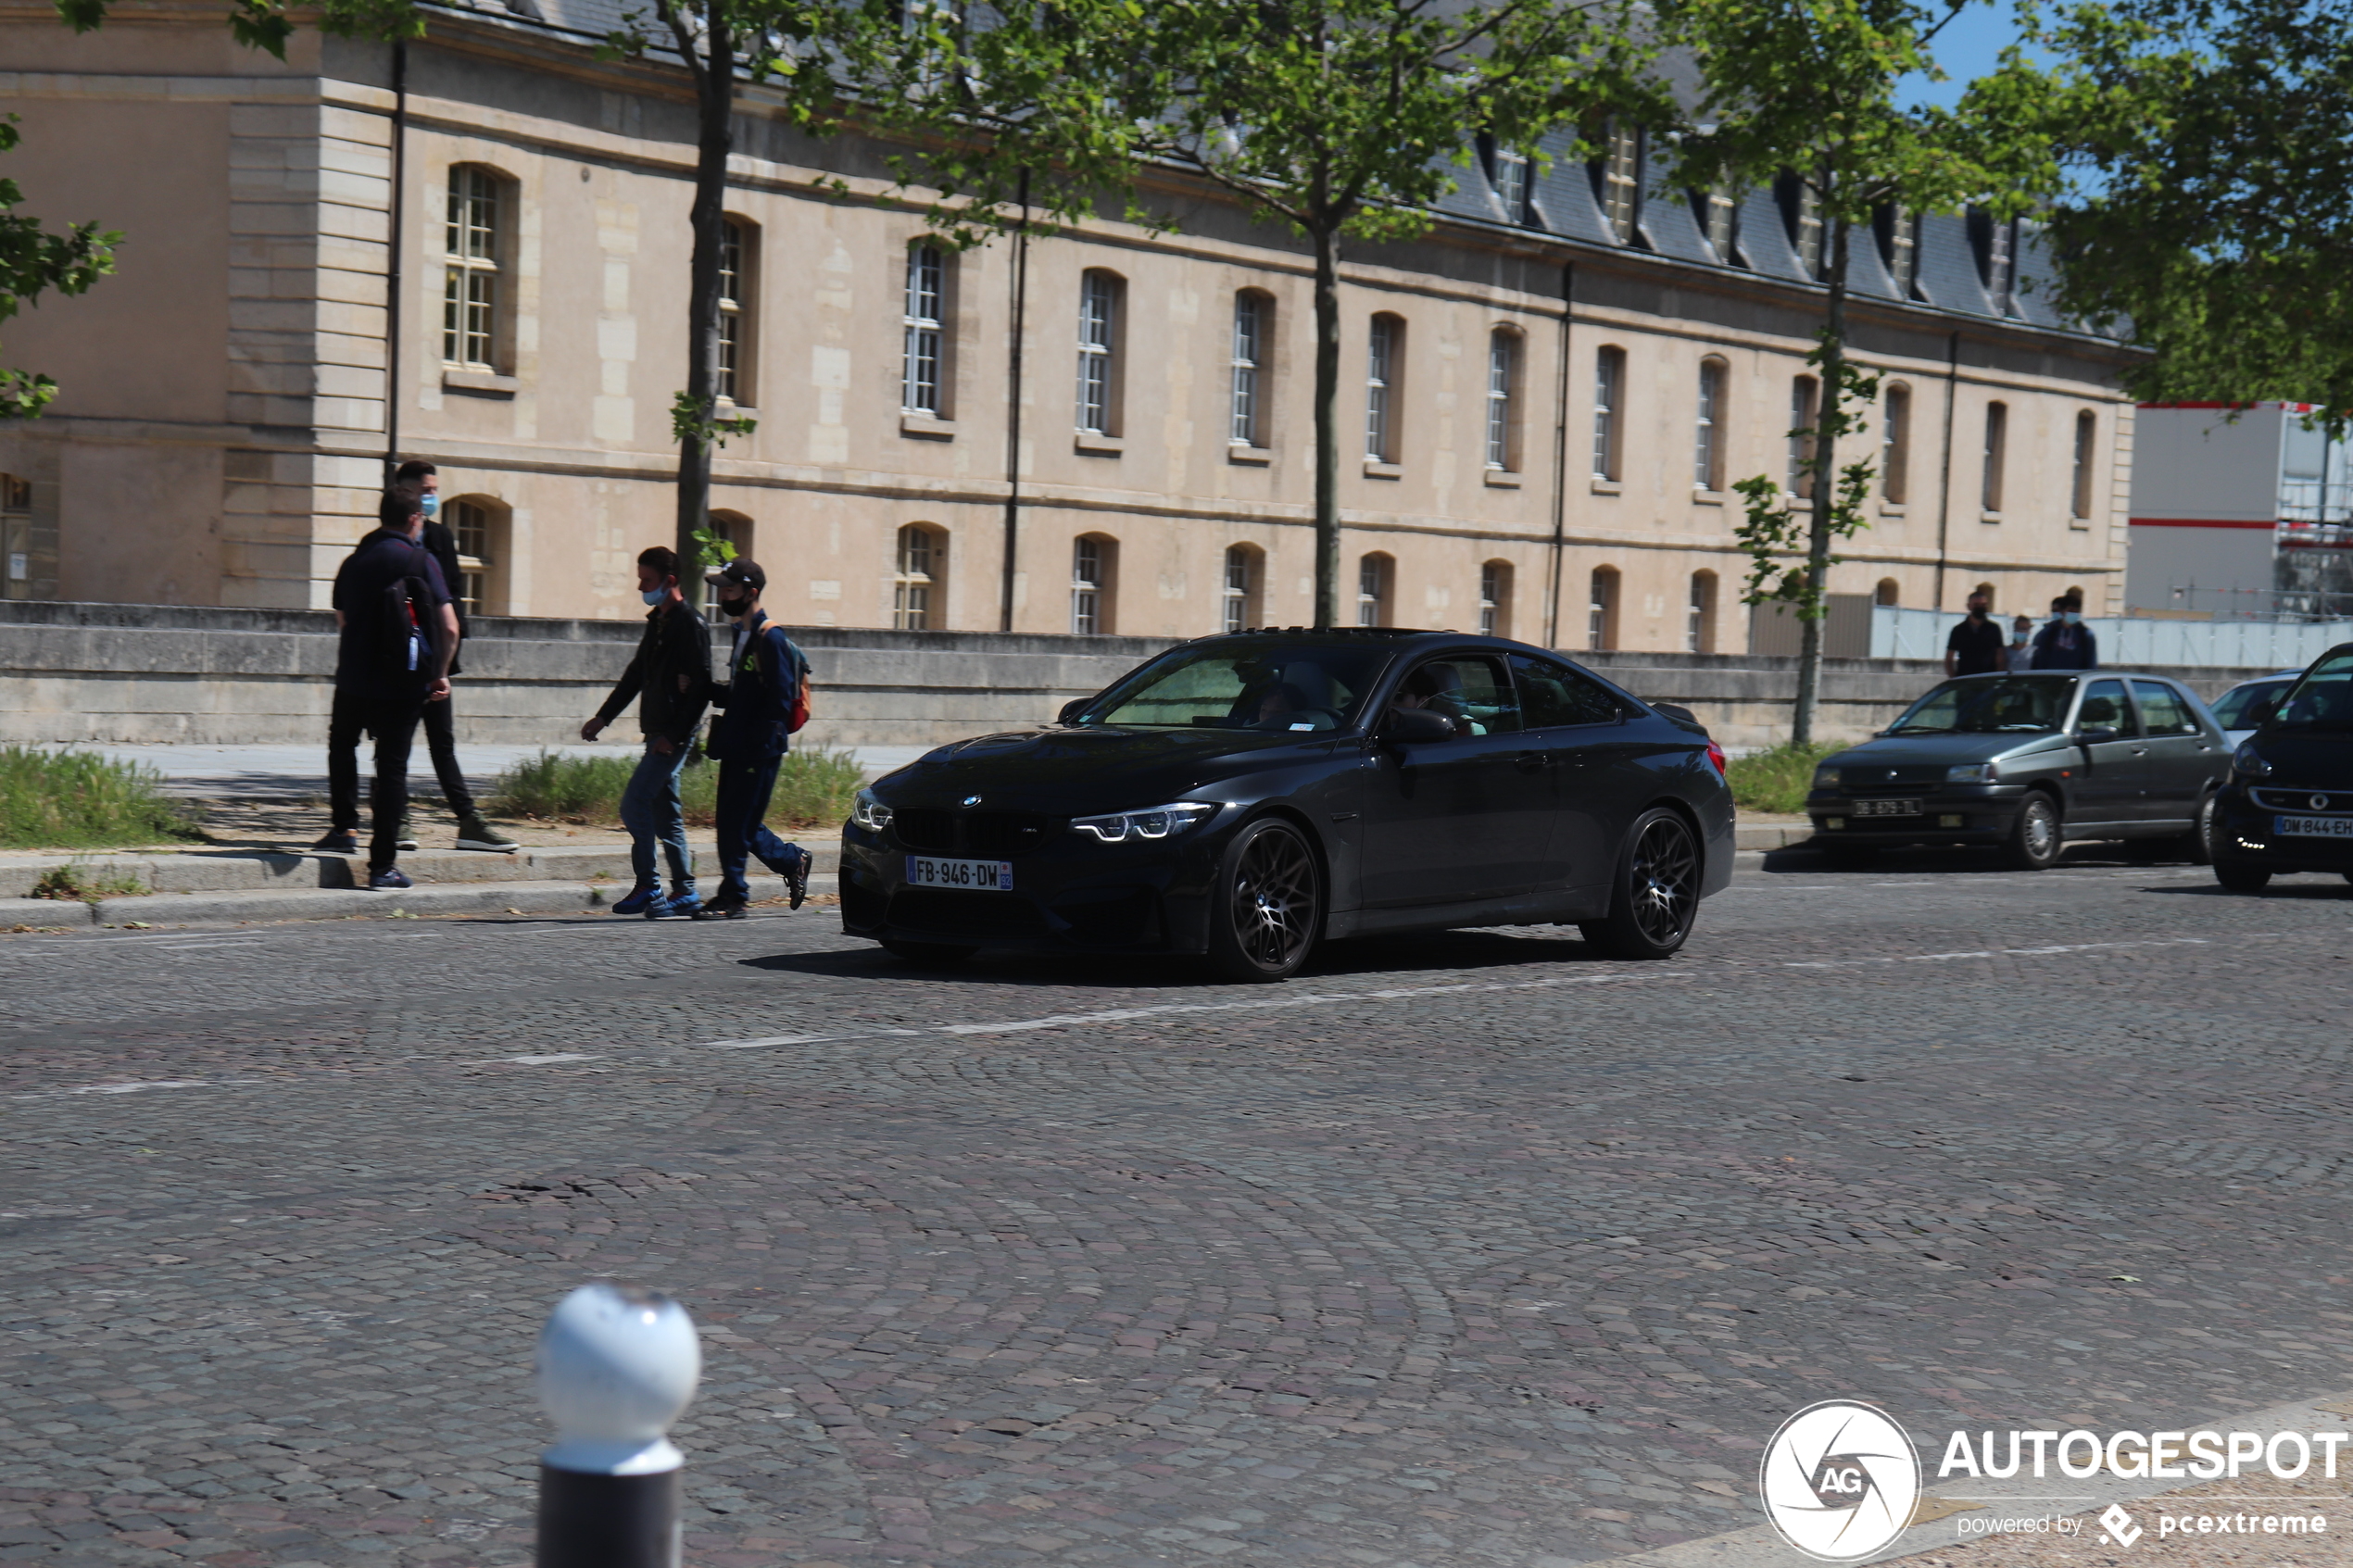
x=729 y=905
x=677 y=906
x=389 y=880
x=638 y=899
x=796 y=874
x=407 y=842
x=476 y=834
x=339 y=842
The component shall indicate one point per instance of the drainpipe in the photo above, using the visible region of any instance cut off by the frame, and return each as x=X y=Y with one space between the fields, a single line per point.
x=1012 y=411
x=394 y=289
x=1945 y=489
x=1560 y=460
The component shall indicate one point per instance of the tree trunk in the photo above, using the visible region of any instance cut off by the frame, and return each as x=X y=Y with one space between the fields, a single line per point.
x=1326 y=429
x=716 y=107
x=1828 y=404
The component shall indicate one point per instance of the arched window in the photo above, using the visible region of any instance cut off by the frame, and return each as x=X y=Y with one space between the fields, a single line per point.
x=923 y=370
x=1245 y=575
x=1609 y=399
x=1254 y=330
x=1997 y=424
x=1376 y=583
x=919 y=579
x=15 y=538
x=1384 y=372
x=1805 y=402
x=2087 y=433
x=739 y=272
x=735 y=529
x=1888 y=592
x=1502 y=400
x=1699 y=618
x=1099 y=299
x=1895 y=444
x=1094 y=564
x=1707 y=450
x=480 y=525
x=1495 y=600
x=1601 y=608
x=477 y=245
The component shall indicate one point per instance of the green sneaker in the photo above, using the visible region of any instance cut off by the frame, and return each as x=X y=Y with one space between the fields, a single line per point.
x=407 y=842
x=476 y=834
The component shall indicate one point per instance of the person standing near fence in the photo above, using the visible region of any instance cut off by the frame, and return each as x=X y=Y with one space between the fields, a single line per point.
x=1975 y=648
x=2067 y=643
x=670 y=679
x=748 y=740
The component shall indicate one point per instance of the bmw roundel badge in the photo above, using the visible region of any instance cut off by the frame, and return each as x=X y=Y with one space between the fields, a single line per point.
x=971 y=800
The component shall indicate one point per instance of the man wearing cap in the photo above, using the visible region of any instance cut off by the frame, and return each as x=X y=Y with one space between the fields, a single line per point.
x=748 y=740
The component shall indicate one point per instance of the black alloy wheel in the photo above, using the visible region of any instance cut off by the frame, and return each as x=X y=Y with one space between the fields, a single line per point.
x=2037 y=837
x=930 y=955
x=1268 y=907
x=1657 y=895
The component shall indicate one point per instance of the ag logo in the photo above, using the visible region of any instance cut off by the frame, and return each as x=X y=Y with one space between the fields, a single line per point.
x=1839 y=1480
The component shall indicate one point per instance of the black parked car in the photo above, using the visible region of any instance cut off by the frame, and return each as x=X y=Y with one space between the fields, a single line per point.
x=1247 y=796
x=2028 y=762
x=2289 y=804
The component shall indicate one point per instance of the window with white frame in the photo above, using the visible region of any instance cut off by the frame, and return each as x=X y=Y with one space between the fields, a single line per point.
x=1383 y=360
x=1508 y=172
x=921 y=356
x=1098 y=299
x=1092 y=559
x=469 y=299
x=1997 y=429
x=1803 y=402
x=1601 y=608
x=1900 y=248
x=1242 y=568
x=1374 y=575
x=1699 y=617
x=1707 y=448
x=2087 y=430
x=1718 y=210
x=917 y=574
x=16 y=538
x=1802 y=210
x=475 y=526
x=1609 y=390
x=1895 y=444
x=1502 y=396
x=736 y=247
x=1247 y=413
x=1617 y=176
x=1495 y=600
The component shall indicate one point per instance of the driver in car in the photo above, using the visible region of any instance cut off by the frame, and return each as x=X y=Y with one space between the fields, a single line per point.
x=1432 y=686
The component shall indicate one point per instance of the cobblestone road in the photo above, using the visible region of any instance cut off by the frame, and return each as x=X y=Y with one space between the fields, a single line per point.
x=1464 y=1251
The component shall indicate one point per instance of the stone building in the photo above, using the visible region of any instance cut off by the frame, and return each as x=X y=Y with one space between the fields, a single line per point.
x=475 y=250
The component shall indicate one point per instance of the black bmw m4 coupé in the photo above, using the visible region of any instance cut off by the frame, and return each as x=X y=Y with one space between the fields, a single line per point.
x=1251 y=794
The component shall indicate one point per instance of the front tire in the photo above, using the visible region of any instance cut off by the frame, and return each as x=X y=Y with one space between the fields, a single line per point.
x=1655 y=896
x=928 y=955
x=2241 y=879
x=2037 y=837
x=2197 y=845
x=1268 y=904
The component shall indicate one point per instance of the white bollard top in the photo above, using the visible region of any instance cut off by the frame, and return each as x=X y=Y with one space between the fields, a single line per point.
x=617 y=1366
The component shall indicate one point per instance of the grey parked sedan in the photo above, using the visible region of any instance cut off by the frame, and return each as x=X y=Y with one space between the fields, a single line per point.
x=2028 y=762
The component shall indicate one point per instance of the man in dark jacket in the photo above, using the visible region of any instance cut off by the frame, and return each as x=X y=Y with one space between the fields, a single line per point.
x=672 y=670
x=398 y=634
x=2066 y=643
x=748 y=740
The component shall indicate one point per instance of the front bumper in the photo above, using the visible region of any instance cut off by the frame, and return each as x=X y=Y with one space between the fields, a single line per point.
x=2245 y=835
x=1949 y=814
x=1072 y=895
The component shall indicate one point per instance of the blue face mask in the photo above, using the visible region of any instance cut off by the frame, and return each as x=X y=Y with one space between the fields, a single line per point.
x=431 y=506
x=654 y=595
x=2073 y=619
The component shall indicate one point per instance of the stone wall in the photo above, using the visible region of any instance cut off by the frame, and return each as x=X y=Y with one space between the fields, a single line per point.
x=149 y=674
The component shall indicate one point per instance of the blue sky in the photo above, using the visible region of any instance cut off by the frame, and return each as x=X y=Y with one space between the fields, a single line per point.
x=1969 y=46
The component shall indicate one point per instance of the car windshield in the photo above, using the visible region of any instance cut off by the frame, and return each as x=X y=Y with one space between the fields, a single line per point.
x=2322 y=697
x=2242 y=707
x=1245 y=684
x=2023 y=706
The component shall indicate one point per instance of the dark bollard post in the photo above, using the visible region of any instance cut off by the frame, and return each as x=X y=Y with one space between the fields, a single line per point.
x=617 y=1366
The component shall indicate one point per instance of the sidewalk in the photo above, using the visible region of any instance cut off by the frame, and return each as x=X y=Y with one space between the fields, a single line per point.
x=297 y=771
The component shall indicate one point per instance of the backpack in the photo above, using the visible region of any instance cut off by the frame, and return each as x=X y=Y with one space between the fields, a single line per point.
x=408 y=630
x=799 y=689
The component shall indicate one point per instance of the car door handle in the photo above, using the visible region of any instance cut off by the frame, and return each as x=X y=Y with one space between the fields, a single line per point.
x=1532 y=762
x=2140 y=751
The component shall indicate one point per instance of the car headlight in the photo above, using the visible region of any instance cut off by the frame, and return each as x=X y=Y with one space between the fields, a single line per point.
x=1974 y=773
x=1826 y=778
x=1153 y=821
x=869 y=812
x=2248 y=761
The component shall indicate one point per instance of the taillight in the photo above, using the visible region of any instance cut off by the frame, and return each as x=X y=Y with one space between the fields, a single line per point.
x=1716 y=755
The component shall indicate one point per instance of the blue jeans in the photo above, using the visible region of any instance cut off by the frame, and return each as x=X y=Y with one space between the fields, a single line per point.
x=744 y=789
x=650 y=811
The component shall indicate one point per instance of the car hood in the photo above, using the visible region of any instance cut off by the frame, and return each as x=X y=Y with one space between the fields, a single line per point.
x=1105 y=768
x=2323 y=759
x=1900 y=751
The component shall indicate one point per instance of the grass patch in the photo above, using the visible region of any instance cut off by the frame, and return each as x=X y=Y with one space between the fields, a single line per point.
x=81 y=800
x=1778 y=780
x=83 y=884
x=813 y=788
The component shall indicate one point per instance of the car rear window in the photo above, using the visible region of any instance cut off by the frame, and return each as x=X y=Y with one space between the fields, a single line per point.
x=1238 y=684
x=2024 y=705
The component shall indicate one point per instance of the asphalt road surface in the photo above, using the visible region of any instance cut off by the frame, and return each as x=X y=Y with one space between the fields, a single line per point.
x=1463 y=1250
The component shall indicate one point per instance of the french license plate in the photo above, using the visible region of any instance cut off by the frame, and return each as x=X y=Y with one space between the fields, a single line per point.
x=2313 y=827
x=1884 y=809
x=993 y=876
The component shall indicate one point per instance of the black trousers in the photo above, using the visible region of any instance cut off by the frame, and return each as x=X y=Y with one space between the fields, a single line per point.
x=344 y=722
x=394 y=724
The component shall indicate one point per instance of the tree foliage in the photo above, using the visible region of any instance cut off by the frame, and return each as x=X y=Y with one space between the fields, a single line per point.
x=32 y=261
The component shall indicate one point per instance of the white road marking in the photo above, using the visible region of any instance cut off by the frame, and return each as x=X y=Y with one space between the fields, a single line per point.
x=798 y=1040
x=2017 y=952
x=139 y=1086
x=535 y=1060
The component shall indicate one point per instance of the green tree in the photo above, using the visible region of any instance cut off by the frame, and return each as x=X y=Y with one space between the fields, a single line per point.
x=1804 y=92
x=2212 y=217
x=32 y=260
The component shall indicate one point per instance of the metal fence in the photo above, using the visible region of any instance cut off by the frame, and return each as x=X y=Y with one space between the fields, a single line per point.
x=1898 y=633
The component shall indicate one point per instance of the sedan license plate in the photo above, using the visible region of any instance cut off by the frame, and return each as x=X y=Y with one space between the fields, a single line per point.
x=1884 y=809
x=993 y=876
x=2313 y=827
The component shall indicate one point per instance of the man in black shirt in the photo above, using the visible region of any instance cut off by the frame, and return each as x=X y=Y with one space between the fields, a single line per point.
x=441 y=728
x=400 y=632
x=670 y=680
x=1977 y=646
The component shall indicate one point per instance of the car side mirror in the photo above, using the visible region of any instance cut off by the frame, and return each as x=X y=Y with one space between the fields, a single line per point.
x=2092 y=734
x=1071 y=709
x=1418 y=727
